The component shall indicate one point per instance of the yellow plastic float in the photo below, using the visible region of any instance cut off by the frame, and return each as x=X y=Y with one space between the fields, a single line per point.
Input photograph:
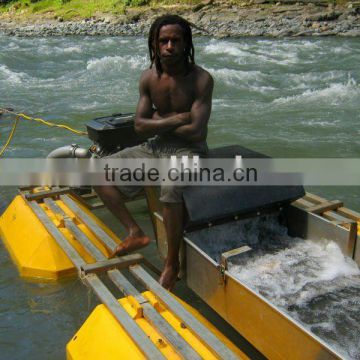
x=34 y=249
x=101 y=337
x=50 y=234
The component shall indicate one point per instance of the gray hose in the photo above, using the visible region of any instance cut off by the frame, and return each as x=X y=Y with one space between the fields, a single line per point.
x=70 y=151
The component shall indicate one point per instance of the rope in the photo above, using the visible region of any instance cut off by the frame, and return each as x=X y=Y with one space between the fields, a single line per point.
x=44 y=122
x=10 y=136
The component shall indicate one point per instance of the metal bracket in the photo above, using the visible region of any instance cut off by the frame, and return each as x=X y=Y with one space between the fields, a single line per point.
x=224 y=261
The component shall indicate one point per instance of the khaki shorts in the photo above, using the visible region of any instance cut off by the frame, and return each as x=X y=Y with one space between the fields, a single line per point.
x=159 y=148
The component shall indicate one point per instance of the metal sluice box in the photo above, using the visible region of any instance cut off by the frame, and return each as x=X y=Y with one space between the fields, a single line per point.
x=214 y=215
x=268 y=328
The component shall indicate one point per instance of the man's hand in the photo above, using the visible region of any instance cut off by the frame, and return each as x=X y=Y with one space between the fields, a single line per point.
x=183 y=118
x=196 y=130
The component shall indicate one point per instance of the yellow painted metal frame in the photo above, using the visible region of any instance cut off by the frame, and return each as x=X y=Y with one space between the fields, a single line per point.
x=101 y=336
x=34 y=250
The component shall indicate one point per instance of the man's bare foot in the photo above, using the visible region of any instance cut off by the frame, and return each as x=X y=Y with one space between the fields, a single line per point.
x=131 y=243
x=168 y=276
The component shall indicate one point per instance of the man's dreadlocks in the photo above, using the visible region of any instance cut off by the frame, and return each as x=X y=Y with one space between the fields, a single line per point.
x=153 y=41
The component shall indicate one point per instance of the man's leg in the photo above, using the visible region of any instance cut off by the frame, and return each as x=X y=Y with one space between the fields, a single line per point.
x=114 y=201
x=173 y=214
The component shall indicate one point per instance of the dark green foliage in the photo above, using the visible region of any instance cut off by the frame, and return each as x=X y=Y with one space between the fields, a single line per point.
x=136 y=2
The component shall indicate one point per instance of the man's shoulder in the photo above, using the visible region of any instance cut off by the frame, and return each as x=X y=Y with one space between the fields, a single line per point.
x=147 y=78
x=201 y=72
x=147 y=74
x=203 y=77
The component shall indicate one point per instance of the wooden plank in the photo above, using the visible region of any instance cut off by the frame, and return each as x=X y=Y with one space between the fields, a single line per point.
x=342 y=211
x=129 y=325
x=116 y=263
x=165 y=329
x=203 y=333
x=92 y=195
x=302 y=203
x=25 y=188
x=336 y=218
x=47 y=193
x=325 y=206
x=78 y=234
x=98 y=205
x=351 y=214
x=73 y=255
x=314 y=198
x=234 y=252
x=306 y=225
x=237 y=251
x=89 y=222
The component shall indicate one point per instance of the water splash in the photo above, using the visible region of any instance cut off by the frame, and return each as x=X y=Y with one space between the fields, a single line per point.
x=335 y=94
x=312 y=281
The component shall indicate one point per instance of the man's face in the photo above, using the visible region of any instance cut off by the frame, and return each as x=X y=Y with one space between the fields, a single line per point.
x=171 y=44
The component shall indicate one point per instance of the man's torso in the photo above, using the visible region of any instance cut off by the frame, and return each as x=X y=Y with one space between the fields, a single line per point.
x=173 y=94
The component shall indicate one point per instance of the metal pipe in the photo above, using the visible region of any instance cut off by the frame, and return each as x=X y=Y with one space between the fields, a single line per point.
x=70 y=151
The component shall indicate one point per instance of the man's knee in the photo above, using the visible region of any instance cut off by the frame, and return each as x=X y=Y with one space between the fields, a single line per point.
x=106 y=192
x=171 y=194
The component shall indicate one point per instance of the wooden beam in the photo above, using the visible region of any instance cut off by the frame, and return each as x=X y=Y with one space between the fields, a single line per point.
x=351 y=214
x=325 y=206
x=109 y=264
x=234 y=252
x=47 y=193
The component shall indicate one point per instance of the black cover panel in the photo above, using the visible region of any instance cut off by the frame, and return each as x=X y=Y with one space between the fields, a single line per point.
x=115 y=131
x=206 y=204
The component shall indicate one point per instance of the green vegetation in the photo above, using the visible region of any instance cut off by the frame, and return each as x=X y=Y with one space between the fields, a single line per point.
x=69 y=9
x=65 y=8
x=80 y=9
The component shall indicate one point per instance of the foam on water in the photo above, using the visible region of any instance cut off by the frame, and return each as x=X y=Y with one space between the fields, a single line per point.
x=107 y=63
x=243 y=53
x=304 y=80
x=335 y=94
x=45 y=49
x=11 y=76
x=225 y=47
x=233 y=77
x=322 y=123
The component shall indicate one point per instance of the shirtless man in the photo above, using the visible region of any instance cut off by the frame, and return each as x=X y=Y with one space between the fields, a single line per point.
x=181 y=93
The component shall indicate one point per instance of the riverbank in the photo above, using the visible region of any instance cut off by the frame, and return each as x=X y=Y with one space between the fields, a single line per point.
x=219 y=19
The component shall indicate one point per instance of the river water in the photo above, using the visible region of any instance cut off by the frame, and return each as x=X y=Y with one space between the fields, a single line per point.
x=285 y=98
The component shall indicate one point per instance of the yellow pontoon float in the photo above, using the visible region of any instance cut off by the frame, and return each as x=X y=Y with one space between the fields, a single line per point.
x=50 y=235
